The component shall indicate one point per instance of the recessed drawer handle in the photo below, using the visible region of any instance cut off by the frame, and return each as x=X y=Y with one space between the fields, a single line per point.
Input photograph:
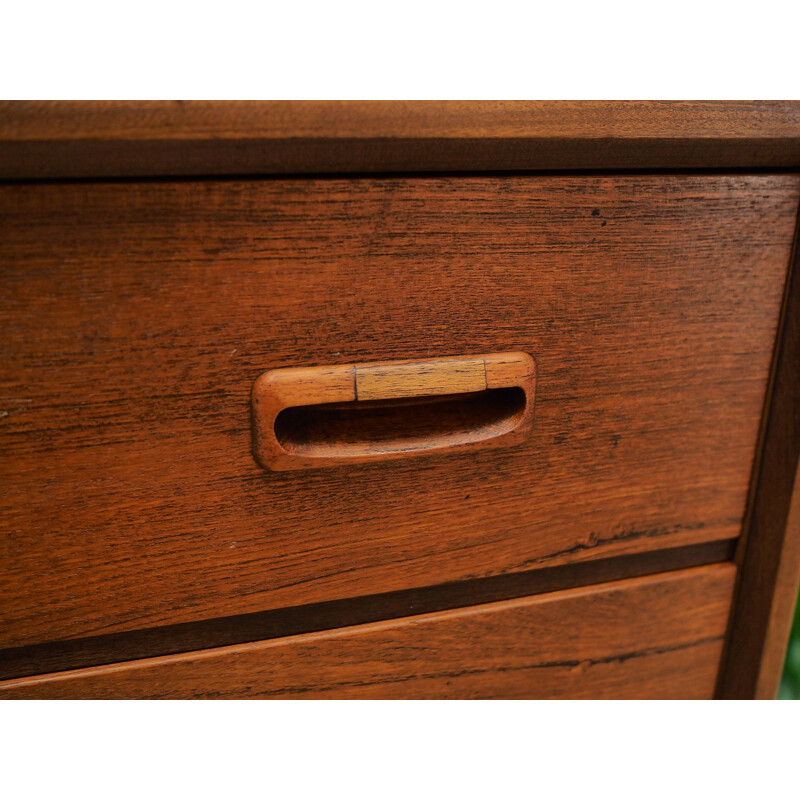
x=305 y=417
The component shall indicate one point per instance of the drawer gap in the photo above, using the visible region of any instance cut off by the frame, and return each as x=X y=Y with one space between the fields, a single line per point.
x=203 y=634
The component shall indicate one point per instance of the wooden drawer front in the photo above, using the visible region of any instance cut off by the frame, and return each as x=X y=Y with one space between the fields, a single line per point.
x=654 y=637
x=137 y=316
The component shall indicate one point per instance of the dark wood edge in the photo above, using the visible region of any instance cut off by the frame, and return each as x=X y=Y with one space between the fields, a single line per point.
x=185 y=637
x=768 y=555
x=42 y=140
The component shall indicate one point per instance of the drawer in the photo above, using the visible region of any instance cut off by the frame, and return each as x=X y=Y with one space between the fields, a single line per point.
x=138 y=316
x=653 y=638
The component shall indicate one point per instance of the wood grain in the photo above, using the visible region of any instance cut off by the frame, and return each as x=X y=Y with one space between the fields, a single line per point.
x=311 y=417
x=655 y=637
x=93 y=139
x=68 y=654
x=137 y=317
x=769 y=553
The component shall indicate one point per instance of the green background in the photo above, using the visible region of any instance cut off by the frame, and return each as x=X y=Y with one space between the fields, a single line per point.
x=790 y=682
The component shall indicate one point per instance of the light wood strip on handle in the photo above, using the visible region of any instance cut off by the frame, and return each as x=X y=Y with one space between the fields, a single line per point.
x=420 y=378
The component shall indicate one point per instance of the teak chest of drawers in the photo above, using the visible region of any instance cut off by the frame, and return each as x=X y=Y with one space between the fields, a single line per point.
x=398 y=399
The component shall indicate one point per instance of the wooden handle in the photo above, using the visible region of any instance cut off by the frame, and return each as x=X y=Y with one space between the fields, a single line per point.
x=307 y=417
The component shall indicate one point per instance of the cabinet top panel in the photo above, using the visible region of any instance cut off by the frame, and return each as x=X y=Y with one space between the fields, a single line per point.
x=83 y=139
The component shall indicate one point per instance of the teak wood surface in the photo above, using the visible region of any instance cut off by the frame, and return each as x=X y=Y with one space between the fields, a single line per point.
x=355 y=413
x=655 y=637
x=138 y=315
x=769 y=549
x=106 y=138
x=118 y=479
x=69 y=654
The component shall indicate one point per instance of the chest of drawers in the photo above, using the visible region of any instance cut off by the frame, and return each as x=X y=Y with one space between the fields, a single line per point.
x=539 y=418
